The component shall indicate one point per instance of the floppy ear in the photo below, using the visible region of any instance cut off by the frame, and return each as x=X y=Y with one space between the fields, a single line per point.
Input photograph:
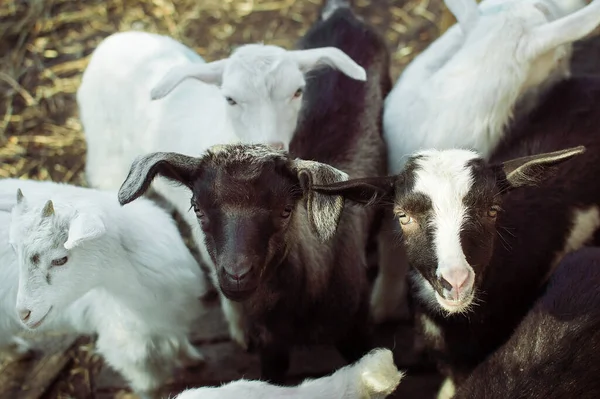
x=564 y=30
x=84 y=227
x=465 y=12
x=324 y=211
x=173 y=166
x=528 y=171
x=366 y=191
x=331 y=56
x=210 y=73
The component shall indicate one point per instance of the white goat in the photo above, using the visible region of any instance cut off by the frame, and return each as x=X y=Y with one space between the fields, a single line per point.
x=80 y=262
x=463 y=90
x=252 y=96
x=375 y=376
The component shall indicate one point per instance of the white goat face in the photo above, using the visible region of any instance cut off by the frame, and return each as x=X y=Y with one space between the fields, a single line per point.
x=263 y=94
x=262 y=86
x=51 y=275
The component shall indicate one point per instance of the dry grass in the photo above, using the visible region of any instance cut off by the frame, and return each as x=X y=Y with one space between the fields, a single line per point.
x=46 y=44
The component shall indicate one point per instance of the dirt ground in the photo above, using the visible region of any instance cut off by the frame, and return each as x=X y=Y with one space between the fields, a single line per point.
x=44 y=47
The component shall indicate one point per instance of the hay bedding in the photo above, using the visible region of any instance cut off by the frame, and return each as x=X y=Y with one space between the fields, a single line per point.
x=46 y=44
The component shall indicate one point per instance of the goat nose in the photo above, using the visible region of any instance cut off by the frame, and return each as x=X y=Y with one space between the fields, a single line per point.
x=240 y=275
x=24 y=314
x=455 y=280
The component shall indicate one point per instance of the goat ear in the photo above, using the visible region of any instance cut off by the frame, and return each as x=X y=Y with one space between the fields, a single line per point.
x=466 y=13
x=564 y=30
x=84 y=227
x=324 y=211
x=331 y=56
x=365 y=191
x=528 y=171
x=171 y=165
x=210 y=73
x=21 y=201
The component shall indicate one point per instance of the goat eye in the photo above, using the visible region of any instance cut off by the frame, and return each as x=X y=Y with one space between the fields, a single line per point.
x=60 y=262
x=287 y=212
x=493 y=211
x=231 y=101
x=298 y=92
x=404 y=219
x=199 y=213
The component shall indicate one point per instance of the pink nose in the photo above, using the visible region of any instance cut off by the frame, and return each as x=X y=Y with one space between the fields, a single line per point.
x=24 y=314
x=455 y=280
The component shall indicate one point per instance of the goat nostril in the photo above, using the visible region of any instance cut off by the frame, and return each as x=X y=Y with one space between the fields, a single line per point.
x=445 y=284
x=455 y=280
x=24 y=314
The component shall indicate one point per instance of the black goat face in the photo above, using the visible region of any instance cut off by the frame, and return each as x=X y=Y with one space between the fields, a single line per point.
x=246 y=199
x=245 y=211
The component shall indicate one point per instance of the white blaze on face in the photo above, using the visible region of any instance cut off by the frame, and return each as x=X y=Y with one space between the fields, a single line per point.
x=445 y=177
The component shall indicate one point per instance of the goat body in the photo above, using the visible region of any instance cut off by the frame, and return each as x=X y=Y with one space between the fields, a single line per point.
x=82 y=263
x=554 y=351
x=529 y=244
x=432 y=104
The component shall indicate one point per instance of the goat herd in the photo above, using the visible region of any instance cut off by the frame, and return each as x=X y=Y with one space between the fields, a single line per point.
x=483 y=158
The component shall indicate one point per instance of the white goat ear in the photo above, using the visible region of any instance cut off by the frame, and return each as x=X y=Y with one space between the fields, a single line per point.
x=84 y=227
x=48 y=209
x=323 y=210
x=561 y=31
x=528 y=171
x=210 y=73
x=331 y=56
x=466 y=13
x=21 y=201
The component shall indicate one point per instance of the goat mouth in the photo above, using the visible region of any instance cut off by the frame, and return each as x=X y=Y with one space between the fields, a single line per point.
x=237 y=295
x=455 y=306
x=40 y=321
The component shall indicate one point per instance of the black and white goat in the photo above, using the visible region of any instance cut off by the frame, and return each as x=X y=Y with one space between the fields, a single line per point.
x=288 y=277
x=483 y=237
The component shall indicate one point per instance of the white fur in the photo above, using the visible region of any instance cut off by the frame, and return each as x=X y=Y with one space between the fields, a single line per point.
x=444 y=176
x=375 y=376
x=462 y=90
x=122 y=122
x=447 y=390
x=129 y=277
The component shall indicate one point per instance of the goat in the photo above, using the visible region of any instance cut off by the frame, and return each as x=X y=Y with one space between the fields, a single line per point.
x=477 y=268
x=552 y=354
x=374 y=376
x=82 y=263
x=504 y=54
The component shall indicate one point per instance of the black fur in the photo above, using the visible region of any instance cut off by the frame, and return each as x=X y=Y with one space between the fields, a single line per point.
x=555 y=351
